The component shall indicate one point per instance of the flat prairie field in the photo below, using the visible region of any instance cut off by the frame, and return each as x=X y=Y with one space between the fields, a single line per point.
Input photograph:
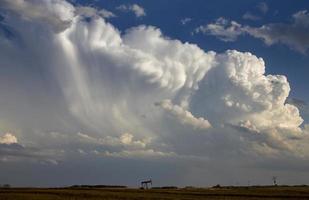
x=234 y=193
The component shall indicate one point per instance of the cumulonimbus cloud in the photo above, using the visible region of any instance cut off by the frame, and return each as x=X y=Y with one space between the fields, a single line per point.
x=111 y=80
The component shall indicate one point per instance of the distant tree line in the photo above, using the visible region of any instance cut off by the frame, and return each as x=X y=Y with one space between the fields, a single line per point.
x=98 y=186
x=5 y=186
x=166 y=187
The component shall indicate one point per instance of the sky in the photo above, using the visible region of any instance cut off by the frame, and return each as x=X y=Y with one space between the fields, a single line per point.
x=187 y=93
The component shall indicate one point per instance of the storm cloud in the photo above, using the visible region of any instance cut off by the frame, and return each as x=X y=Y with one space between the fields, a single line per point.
x=140 y=94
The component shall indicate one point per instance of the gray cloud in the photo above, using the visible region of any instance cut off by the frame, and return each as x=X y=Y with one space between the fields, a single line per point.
x=136 y=9
x=11 y=150
x=106 y=13
x=224 y=29
x=291 y=34
x=297 y=102
x=250 y=16
x=91 y=12
x=263 y=7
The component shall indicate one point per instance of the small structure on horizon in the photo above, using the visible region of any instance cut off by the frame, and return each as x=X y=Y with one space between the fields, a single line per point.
x=144 y=184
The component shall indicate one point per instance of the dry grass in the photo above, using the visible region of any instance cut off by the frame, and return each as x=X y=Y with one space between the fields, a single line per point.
x=234 y=193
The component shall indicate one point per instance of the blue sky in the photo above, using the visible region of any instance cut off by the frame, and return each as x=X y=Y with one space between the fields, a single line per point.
x=183 y=92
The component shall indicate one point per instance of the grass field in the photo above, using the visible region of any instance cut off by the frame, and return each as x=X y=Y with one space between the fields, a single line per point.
x=242 y=193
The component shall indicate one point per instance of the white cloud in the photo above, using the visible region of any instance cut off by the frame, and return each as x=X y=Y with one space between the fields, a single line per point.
x=55 y=13
x=136 y=9
x=125 y=140
x=184 y=116
x=224 y=29
x=8 y=138
x=240 y=90
x=138 y=154
x=185 y=21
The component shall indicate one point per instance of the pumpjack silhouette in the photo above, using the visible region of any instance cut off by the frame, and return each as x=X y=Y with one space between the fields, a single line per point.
x=144 y=184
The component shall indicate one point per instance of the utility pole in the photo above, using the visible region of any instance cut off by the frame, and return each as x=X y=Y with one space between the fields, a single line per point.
x=275 y=180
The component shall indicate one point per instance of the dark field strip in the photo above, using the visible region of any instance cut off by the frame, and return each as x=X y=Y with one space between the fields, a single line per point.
x=152 y=194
